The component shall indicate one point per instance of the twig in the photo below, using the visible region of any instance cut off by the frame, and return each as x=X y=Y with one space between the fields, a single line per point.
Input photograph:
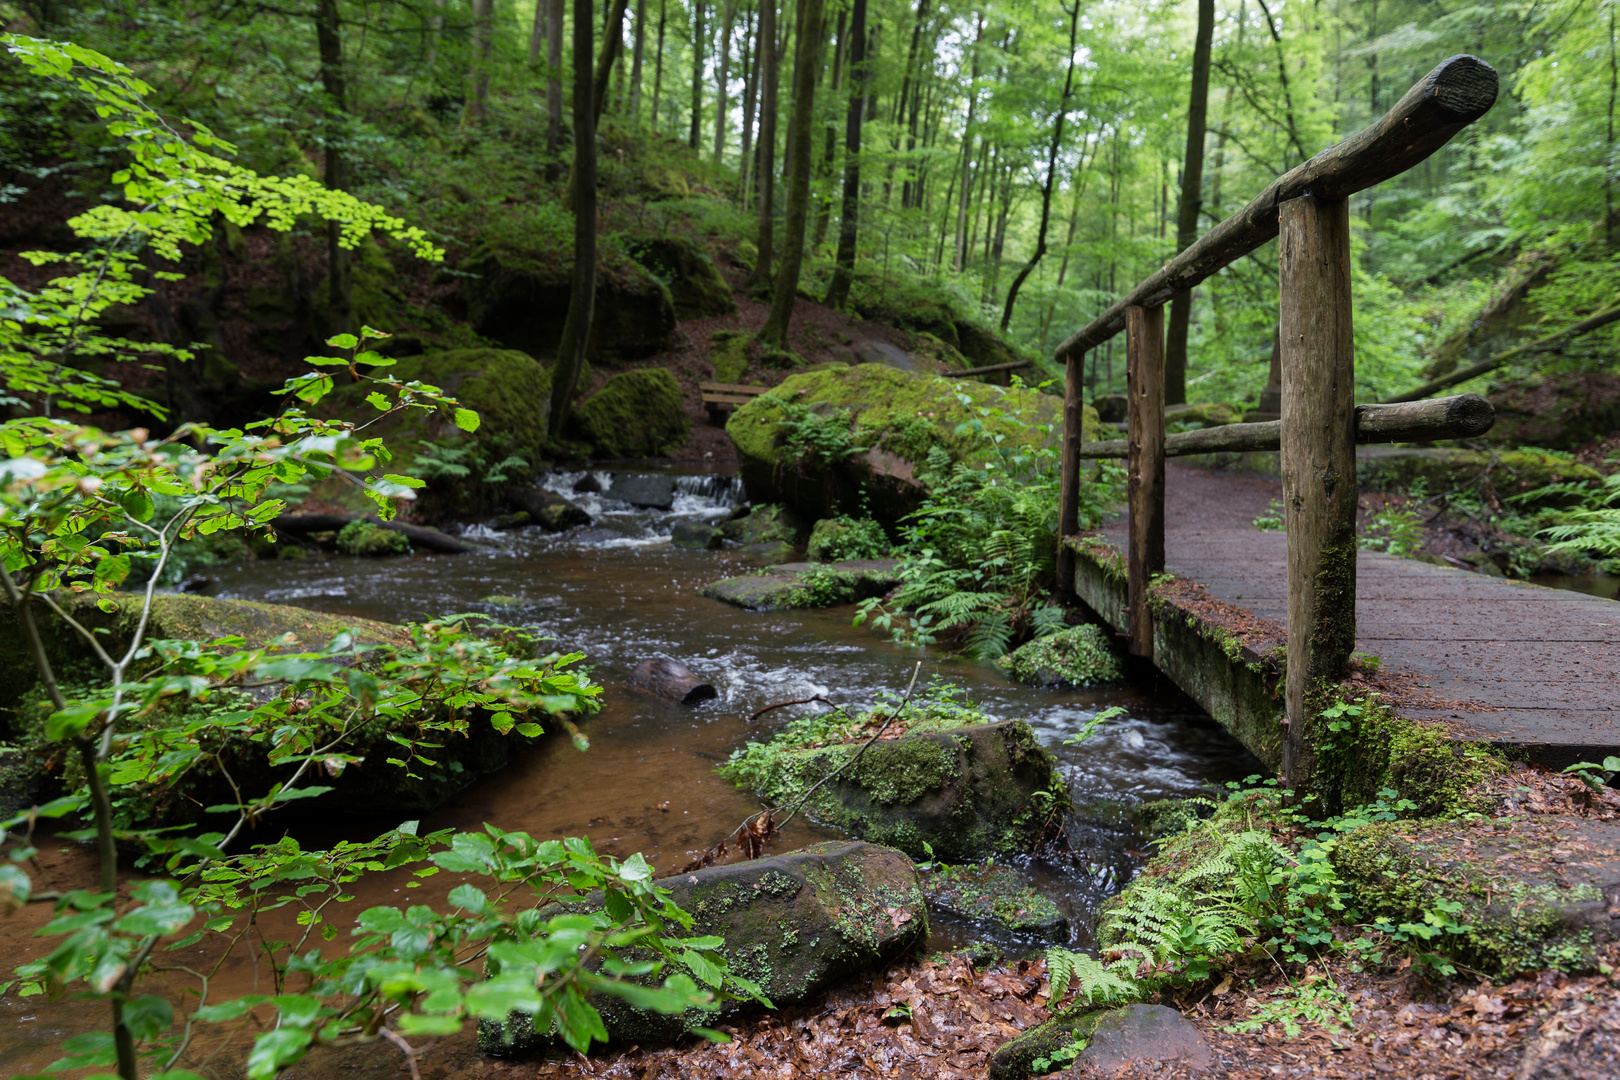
x=785 y=704
x=410 y=1054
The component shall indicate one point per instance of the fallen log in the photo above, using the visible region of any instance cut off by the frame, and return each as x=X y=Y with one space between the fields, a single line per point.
x=419 y=535
x=989 y=369
x=1463 y=416
x=668 y=679
x=1545 y=343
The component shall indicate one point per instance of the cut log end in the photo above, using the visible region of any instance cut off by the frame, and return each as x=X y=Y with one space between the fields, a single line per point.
x=668 y=679
x=1464 y=86
x=1470 y=415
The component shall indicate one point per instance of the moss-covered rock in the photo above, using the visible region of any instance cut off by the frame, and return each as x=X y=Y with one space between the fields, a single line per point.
x=766 y=524
x=1505 y=472
x=1204 y=414
x=791 y=923
x=963 y=790
x=728 y=352
x=842 y=537
x=699 y=535
x=983 y=347
x=686 y=269
x=807 y=585
x=1079 y=656
x=1015 y=1059
x=546 y=509
x=1560 y=410
x=367 y=539
x=895 y=417
x=1533 y=892
x=636 y=414
x=997 y=898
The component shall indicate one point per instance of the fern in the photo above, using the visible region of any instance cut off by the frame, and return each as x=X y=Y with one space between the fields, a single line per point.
x=1095 y=982
x=990 y=637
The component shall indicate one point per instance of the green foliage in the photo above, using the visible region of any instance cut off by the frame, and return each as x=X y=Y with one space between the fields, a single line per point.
x=1397 y=530
x=845 y=537
x=368 y=539
x=1078 y=656
x=1272 y=519
x=1063 y=1055
x=1092 y=981
x=1594 y=775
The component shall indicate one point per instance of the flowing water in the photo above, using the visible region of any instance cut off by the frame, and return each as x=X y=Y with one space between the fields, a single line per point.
x=619 y=592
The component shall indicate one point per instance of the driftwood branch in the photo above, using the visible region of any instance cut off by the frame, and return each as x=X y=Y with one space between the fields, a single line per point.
x=1461 y=417
x=1456 y=93
x=990 y=369
x=1545 y=343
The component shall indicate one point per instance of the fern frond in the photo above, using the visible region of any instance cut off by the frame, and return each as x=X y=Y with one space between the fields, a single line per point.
x=990 y=637
x=1096 y=983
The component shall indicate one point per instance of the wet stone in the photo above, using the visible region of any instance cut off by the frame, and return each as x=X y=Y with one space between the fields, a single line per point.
x=547 y=509
x=996 y=898
x=807 y=585
x=696 y=534
x=1141 y=1033
x=651 y=492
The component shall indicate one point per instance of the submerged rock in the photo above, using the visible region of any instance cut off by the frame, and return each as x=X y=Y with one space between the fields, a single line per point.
x=792 y=923
x=763 y=524
x=696 y=534
x=1079 y=656
x=956 y=791
x=650 y=492
x=547 y=509
x=996 y=897
x=673 y=680
x=807 y=585
x=637 y=413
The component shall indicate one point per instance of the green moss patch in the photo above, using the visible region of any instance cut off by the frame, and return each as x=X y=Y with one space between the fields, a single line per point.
x=807 y=585
x=996 y=897
x=636 y=414
x=370 y=540
x=1079 y=656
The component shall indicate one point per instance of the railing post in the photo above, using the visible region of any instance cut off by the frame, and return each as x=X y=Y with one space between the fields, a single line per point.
x=1318 y=466
x=1069 y=479
x=1144 y=381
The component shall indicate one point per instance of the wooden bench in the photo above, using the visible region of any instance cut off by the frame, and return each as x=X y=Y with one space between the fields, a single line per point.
x=722 y=398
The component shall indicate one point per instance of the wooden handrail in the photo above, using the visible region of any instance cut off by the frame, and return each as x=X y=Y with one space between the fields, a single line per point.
x=989 y=369
x=1456 y=93
x=1461 y=417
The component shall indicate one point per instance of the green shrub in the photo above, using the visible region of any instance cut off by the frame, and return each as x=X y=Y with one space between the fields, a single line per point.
x=844 y=537
x=370 y=540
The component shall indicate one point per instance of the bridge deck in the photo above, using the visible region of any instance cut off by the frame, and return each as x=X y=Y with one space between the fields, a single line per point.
x=1507 y=661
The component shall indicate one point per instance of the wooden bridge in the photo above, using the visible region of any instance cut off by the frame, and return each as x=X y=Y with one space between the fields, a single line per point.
x=1503 y=662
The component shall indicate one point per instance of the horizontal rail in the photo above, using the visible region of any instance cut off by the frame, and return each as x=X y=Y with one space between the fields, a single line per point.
x=1456 y=93
x=989 y=369
x=732 y=388
x=1461 y=417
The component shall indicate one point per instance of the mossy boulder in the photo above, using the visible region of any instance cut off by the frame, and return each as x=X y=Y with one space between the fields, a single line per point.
x=946 y=355
x=1079 y=656
x=1561 y=410
x=1204 y=414
x=519 y=294
x=960 y=790
x=698 y=535
x=842 y=537
x=897 y=417
x=1505 y=472
x=792 y=923
x=1015 y=1059
x=369 y=540
x=984 y=347
x=695 y=284
x=1533 y=892
x=770 y=523
x=807 y=585
x=636 y=414
x=729 y=353
x=997 y=898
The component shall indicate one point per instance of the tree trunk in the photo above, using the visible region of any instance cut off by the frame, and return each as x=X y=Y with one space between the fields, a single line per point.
x=554 y=95
x=1051 y=175
x=1076 y=189
x=750 y=61
x=767 y=141
x=722 y=71
x=582 y=300
x=340 y=273
x=829 y=151
x=849 y=219
x=537 y=34
x=911 y=187
x=483 y=40
x=1144 y=345
x=635 y=61
x=658 y=67
x=775 y=331
x=612 y=47
x=1187 y=208
x=697 y=74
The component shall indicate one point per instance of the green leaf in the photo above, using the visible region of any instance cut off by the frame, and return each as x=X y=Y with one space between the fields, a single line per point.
x=274 y=1050
x=470 y=897
x=148 y=1016
x=418 y=1024
x=343 y=341
x=379 y=401
x=466 y=420
x=137 y=504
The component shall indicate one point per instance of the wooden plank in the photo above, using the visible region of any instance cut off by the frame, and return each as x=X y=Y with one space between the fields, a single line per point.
x=1318 y=466
x=1144 y=380
x=1461 y=417
x=1069 y=477
x=1456 y=93
x=732 y=388
x=728 y=399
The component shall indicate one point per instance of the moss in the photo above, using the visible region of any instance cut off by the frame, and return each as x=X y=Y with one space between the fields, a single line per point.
x=728 y=352
x=948 y=356
x=370 y=540
x=636 y=414
x=1079 y=656
x=840 y=538
x=995 y=896
x=1203 y=415
x=685 y=268
x=1506 y=472
x=765 y=524
x=1015 y=1058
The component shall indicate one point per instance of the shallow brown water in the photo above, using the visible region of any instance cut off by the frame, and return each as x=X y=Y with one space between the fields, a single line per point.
x=621 y=593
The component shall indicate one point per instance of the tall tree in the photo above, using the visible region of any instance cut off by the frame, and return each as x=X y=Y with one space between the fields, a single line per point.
x=750 y=62
x=766 y=50
x=576 y=333
x=658 y=66
x=849 y=219
x=334 y=82
x=537 y=33
x=697 y=74
x=805 y=66
x=554 y=95
x=635 y=62
x=483 y=41
x=1051 y=173
x=1187 y=209
x=830 y=151
x=722 y=64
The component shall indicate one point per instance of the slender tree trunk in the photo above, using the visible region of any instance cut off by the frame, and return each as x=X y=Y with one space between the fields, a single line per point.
x=1051 y=174
x=767 y=141
x=612 y=49
x=1077 y=188
x=658 y=66
x=750 y=62
x=483 y=40
x=911 y=190
x=1608 y=161
x=722 y=65
x=334 y=81
x=635 y=61
x=576 y=334
x=537 y=34
x=829 y=151
x=849 y=219
x=1192 y=182
x=554 y=94
x=775 y=331
x=435 y=27
x=697 y=74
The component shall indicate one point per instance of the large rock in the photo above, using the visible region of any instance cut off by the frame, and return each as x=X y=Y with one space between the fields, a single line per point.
x=519 y=297
x=997 y=898
x=649 y=491
x=1506 y=472
x=1114 y=1039
x=673 y=680
x=695 y=283
x=1562 y=410
x=792 y=923
x=547 y=509
x=636 y=414
x=897 y=417
x=698 y=535
x=766 y=524
x=1079 y=656
x=807 y=585
x=962 y=792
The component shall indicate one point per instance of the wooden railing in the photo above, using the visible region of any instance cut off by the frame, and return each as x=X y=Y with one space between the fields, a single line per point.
x=1308 y=208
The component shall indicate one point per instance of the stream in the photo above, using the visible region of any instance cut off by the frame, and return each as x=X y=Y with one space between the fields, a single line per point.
x=620 y=593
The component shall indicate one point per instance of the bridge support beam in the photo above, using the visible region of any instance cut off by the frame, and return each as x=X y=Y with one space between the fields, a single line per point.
x=1144 y=381
x=1074 y=370
x=1318 y=466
